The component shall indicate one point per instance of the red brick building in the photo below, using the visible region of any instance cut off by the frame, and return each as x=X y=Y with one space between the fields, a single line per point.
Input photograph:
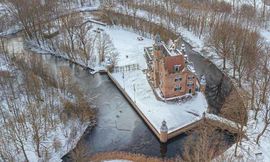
x=170 y=72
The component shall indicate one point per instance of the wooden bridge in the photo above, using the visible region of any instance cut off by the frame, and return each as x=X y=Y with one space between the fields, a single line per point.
x=214 y=121
x=225 y=124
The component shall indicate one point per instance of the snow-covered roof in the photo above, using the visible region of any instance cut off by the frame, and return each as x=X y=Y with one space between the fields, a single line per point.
x=157 y=39
x=191 y=68
x=170 y=51
x=203 y=80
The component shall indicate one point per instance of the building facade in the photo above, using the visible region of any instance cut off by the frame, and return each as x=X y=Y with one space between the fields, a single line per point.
x=171 y=72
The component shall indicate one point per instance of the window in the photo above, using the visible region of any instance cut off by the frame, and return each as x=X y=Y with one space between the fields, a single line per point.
x=177 y=88
x=190 y=84
x=178 y=79
x=190 y=77
x=176 y=68
x=197 y=89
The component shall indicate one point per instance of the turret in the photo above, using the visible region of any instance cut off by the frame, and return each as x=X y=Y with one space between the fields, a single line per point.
x=157 y=47
x=171 y=45
x=202 y=84
x=183 y=48
x=156 y=60
x=163 y=132
x=158 y=41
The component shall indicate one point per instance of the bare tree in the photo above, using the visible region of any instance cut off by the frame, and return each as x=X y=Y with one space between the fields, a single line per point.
x=265 y=74
x=220 y=40
x=85 y=43
x=79 y=153
x=32 y=14
x=266 y=122
x=104 y=46
x=204 y=145
x=69 y=24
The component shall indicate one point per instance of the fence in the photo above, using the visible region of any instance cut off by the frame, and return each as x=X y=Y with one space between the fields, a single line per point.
x=131 y=67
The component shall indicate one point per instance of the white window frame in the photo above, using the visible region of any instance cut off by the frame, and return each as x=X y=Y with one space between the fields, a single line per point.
x=176 y=68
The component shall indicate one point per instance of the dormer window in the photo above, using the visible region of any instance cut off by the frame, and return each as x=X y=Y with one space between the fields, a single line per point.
x=176 y=68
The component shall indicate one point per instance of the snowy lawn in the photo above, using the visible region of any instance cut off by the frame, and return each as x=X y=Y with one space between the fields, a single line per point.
x=176 y=115
x=127 y=44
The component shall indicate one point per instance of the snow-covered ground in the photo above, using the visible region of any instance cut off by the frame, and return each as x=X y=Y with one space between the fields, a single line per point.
x=3 y=65
x=136 y=85
x=258 y=3
x=2 y=8
x=266 y=35
x=63 y=134
x=86 y=8
x=127 y=44
x=14 y=45
x=249 y=151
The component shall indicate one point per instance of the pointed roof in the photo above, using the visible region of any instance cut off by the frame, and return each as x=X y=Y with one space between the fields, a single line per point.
x=203 y=80
x=164 y=127
x=157 y=39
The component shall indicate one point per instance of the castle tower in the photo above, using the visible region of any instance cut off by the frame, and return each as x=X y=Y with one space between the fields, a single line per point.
x=202 y=84
x=157 y=56
x=163 y=132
